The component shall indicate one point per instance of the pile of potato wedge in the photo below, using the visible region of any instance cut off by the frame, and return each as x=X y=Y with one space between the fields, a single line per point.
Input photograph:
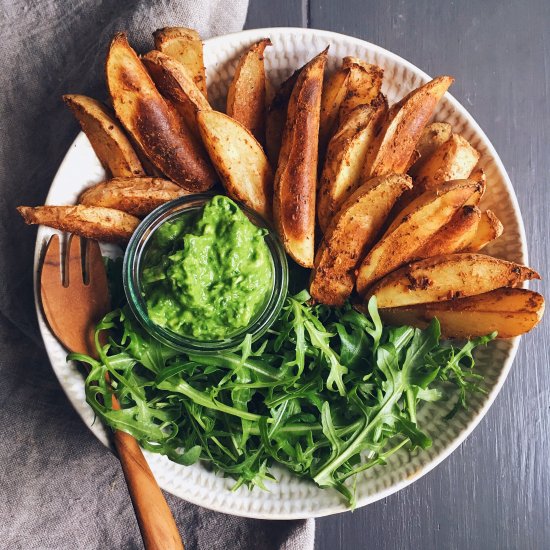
x=376 y=199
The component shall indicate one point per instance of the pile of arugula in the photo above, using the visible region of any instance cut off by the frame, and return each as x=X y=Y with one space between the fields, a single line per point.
x=328 y=393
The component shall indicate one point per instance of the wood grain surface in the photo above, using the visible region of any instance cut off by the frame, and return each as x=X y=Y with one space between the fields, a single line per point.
x=494 y=491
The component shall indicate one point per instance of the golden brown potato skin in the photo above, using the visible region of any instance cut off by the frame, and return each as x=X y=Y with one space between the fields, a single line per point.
x=136 y=196
x=412 y=229
x=453 y=236
x=364 y=84
x=403 y=128
x=92 y=222
x=276 y=117
x=296 y=176
x=185 y=46
x=488 y=229
x=177 y=86
x=333 y=94
x=452 y=160
x=434 y=135
x=345 y=158
x=110 y=143
x=509 y=311
x=349 y=236
x=239 y=159
x=153 y=124
x=246 y=97
x=447 y=278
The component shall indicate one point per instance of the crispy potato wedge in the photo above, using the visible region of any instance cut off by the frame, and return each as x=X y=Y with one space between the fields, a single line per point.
x=350 y=234
x=185 y=46
x=136 y=196
x=508 y=311
x=412 y=205
x=333 y=94
x=446 y=278
x=239 y=159
x=92 y=222
x=153 y=124
x=276 y=117
x=111 y=145
x=488 y=229
x=434 y=135
x=404 y=126
x=364 y=84
x=412 y=230
x=453 y=236
x=246 y=98
x=175 y=84
x=452 y=160
x=345 y=158
x=296 y=176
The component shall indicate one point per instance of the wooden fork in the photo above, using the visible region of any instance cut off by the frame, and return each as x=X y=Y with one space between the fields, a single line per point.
x=75 y=296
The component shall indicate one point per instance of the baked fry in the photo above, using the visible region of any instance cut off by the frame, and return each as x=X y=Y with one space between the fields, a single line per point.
x=296 y=176
x=239 y=159
x=111 y=145
x=136 y=196
x=447 y=278
x=92 y=222
x=508 y=311
x=246 y=98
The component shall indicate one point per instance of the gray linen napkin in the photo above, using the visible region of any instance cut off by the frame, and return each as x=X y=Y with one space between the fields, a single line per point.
x=61 y=489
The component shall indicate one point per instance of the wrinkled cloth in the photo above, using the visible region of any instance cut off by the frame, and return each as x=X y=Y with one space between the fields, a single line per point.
x=61 y=489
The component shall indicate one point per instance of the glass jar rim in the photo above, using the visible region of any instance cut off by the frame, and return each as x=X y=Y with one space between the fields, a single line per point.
x=131 y=274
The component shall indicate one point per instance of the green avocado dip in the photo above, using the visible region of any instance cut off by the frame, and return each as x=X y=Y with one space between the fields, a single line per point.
x=207 y=274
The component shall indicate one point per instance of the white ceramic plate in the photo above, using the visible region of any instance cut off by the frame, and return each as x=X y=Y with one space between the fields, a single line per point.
x=292 y=497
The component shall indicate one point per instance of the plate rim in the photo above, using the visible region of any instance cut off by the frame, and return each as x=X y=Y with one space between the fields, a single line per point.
x=506 y=365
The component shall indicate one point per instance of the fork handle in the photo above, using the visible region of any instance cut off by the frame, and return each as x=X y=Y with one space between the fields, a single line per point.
x=156 y=523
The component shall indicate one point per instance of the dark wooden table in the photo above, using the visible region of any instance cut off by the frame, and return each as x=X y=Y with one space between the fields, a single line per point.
x=494 y=491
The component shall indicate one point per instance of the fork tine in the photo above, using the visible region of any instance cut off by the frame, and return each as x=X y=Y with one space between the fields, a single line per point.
x=52 y=254
x=72 y=272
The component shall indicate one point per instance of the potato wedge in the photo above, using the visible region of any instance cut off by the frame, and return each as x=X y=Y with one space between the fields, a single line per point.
x=92 y=222
x=296 y=176
x=345 y=158
x=276 y=118
x=246 y=97
x=508 y=311
x=153 y=124
x=350 y=234
x=239 y=159
x=185 y=46
x=364 y=84
x=434 y=135
x=412 y=230
x=175 y=84
x=453 y=236
x=446 y=278
x=412 y=205
x=333 y=94
x=454 y=159
x=111 y=145
x=488 y=229
x=403 y=128
x=136 y=196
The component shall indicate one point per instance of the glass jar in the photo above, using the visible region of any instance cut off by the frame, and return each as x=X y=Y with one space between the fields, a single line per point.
x=133 y=266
